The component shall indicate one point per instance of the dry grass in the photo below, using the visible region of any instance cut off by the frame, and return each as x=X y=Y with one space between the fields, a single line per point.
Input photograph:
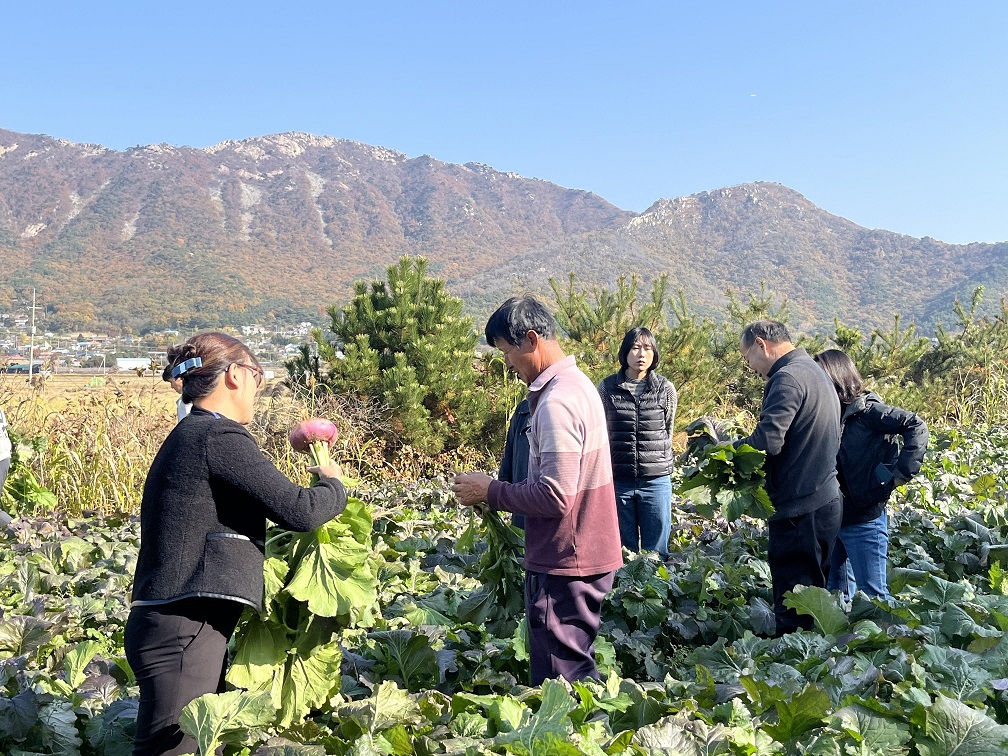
x=100 y=438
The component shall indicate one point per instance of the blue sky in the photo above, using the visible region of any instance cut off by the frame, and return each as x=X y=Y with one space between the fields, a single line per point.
x=891 y=114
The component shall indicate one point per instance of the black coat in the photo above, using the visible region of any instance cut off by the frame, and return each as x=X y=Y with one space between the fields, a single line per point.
x=203 y=516
x=639 y=427
x=799 y=429
x=870 y=463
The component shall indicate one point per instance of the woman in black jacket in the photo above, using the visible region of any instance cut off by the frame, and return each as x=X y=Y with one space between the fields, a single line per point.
x=203 y=518
x=869 y=466
x=640 y=408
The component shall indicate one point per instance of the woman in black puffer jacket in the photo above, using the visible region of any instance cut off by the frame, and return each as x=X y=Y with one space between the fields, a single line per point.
x=870 y=465
x=640 y=408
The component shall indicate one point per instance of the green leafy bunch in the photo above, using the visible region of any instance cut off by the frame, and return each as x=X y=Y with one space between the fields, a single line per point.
x=316 y=585
x=23 y=492
x=728 y=480
x=501 y=598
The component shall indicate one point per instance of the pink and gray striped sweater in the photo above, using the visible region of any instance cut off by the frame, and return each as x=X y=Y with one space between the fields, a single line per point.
x=568 y=500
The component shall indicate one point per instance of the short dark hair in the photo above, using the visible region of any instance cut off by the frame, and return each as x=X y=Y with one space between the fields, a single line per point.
x=772 y=331
x=216 y=351
x=843 y=372
x=632 y=336
x=512 y=321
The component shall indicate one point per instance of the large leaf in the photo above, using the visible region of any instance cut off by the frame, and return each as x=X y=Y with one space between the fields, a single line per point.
x=283 y=747
x=800 y=713
x=334 y=579
x=550 y=744
x=17 y=716
x=952 y=727
x=821 y=605
x=874 y=733
x=425 y=611
x=939 y=592
x=309 y=682
x=388 y=707
x=682 y=735
x=260 y=652
x=478 y=606
x=552 y=717
x=218 y=718
x=956 y=672
x=77 y=660
x=58 y=728
x=357 y=519
x=275 y=572
x=408 y=656
x=957 y=623
x=112 y=733
x=22 y=634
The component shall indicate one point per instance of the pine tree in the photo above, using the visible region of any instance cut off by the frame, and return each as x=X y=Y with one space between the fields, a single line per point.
x=406 y=345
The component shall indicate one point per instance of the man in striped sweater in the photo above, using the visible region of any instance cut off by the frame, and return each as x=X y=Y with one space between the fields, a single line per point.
x=572 y=541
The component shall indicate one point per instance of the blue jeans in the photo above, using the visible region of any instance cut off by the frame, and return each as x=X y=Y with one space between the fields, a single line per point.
x=859 y=559
x=644 y=509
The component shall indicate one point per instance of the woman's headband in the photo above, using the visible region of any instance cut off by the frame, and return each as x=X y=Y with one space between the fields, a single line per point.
x=182 y=367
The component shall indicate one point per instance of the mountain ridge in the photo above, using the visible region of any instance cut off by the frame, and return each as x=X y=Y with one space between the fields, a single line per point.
x=279 y=226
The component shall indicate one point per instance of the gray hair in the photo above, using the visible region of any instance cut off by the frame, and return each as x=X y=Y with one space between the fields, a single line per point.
x=771 y=331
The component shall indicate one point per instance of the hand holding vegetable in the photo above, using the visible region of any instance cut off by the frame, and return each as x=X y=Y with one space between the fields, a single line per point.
x=332 y=470
x=472 y=488
x=313 y=437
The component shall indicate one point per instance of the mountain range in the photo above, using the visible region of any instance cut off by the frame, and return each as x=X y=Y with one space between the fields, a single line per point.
x=279 y=227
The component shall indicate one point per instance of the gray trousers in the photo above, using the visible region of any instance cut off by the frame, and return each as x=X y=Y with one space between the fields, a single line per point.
x=564 y=615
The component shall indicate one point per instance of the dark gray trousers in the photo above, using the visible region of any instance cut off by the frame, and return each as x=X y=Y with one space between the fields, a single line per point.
x=564 y=614
x=178 y=652
x=799 y=553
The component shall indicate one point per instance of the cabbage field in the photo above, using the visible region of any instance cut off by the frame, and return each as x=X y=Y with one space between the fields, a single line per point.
x=399 y=632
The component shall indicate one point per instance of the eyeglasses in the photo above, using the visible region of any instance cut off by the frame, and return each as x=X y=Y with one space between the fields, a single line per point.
x=256 y=371
x=745 y=354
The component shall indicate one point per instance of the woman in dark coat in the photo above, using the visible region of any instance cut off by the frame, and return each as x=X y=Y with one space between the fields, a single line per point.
x=640 y=408
x=203 y=519
x=870 y=465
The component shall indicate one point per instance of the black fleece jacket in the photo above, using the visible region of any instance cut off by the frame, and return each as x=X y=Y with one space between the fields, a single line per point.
x=203 y=515
x=799 y=429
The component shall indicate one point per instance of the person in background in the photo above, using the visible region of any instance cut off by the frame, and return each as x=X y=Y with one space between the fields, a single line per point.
x=203 y=516
x=799 y=429
x=869 y=466
x=5 y=462
x=515 y=462
x=182 y=408
x=572 y=546
x=640 y=407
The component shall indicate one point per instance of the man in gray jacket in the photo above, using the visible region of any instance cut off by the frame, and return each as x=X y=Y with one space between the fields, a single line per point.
x=799 y=429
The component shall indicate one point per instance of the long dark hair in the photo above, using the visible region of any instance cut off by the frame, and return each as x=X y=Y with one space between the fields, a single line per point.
x=645 y=335
x=216 y=351
x=843 y=372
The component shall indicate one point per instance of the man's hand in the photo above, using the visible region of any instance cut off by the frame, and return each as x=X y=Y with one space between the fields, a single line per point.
x=472 y=489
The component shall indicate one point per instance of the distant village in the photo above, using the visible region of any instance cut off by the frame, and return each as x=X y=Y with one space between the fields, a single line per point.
x=47 y=352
